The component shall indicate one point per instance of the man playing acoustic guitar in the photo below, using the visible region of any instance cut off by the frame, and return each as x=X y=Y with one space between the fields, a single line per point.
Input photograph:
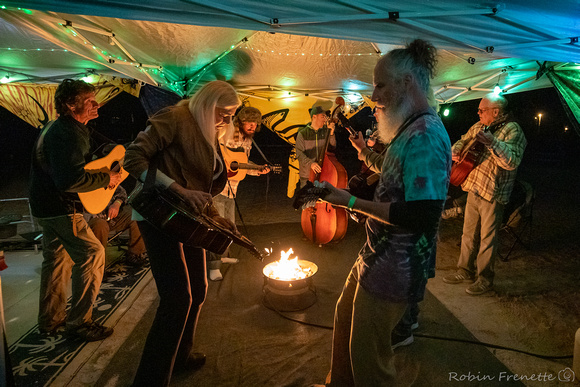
x=57 y=176
x=489 y=186
x=246 y=123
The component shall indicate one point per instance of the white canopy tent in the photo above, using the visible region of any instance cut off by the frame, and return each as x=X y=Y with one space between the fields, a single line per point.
x=276 y=49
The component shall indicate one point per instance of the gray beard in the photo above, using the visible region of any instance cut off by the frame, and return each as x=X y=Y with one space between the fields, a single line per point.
x=389 y=122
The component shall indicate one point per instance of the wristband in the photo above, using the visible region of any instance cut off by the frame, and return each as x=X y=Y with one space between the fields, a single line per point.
x=351 y=202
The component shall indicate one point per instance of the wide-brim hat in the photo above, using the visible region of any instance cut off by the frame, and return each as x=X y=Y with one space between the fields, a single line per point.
x=320 y=107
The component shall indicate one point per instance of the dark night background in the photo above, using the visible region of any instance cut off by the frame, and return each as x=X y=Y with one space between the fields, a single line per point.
x=123 y=117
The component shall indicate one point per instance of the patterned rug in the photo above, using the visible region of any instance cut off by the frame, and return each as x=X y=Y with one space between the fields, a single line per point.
x=37 y=359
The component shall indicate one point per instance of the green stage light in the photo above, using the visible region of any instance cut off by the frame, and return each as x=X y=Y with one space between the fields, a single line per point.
x=446 y=112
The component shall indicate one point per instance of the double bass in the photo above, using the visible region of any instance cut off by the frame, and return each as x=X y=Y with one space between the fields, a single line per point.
x=324 y=223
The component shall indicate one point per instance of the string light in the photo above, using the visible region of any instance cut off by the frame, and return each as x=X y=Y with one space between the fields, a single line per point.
x=34 y=49
x=27 y=11
x=305 y=54
x=114 y=59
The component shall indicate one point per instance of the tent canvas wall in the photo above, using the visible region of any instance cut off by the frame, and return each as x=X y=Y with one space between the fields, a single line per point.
x=177 y=43
x=283 y=56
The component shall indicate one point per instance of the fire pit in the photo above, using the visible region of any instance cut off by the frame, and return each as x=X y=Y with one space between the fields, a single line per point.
x=288 y=284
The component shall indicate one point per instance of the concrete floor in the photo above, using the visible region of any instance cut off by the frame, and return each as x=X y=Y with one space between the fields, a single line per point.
x=250 y=345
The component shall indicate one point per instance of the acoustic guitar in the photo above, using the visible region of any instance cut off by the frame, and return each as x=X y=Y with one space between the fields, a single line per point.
x=469 y=158
x=237 y=163
x=96 y=201
x=170 y=214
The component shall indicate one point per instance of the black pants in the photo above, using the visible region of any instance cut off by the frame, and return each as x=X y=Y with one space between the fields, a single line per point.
x=179 y=273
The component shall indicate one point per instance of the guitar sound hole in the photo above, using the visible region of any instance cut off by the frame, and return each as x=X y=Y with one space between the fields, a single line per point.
x=234 y=166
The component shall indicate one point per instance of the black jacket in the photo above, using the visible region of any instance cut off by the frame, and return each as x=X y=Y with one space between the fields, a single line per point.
x=54 y=183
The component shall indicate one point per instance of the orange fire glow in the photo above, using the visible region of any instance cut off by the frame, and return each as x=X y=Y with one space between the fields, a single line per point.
x=287 y=269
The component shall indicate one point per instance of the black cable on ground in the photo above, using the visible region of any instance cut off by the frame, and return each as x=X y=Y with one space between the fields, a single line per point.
x=272 y=307
x=548 y=357
x=495 y=346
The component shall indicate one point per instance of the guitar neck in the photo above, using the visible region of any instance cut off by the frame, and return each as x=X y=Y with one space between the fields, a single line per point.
x=251 y=166
x=179 y=203
x=472 y=143
x=238 y=239
x=346 y=124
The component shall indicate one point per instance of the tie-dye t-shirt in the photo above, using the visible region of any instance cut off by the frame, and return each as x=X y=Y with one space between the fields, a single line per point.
x=395 y=262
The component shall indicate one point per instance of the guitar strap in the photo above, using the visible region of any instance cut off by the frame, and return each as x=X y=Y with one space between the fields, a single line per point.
x=267 y=186
x=151 y=173
x=260 y=151
x=406 y=124
x=39 y=153
x=401 y=129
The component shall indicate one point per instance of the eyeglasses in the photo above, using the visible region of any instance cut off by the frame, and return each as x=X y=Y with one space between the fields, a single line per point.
x=222 y=113
x=479 y=111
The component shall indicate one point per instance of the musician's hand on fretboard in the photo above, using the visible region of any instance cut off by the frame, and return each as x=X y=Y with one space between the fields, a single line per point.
x=264 y=169
x=196 y=200
x=484 y=137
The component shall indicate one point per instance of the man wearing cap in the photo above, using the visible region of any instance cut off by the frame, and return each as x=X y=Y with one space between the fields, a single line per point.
x=310 y=142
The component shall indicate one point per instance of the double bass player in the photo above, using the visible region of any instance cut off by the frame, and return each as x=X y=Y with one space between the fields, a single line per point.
x=322 y=223
x=310 y=142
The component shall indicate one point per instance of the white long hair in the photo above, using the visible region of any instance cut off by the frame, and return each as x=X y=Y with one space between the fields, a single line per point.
x=203 y=104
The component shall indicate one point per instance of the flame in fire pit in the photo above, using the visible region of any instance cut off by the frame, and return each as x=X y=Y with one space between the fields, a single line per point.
x=287 y=269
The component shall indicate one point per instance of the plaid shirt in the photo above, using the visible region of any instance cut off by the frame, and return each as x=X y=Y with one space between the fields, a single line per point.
x=493 y=178
x=238 y=141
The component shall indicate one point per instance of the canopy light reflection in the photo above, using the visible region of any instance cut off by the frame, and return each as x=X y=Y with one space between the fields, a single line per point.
x=353 y=98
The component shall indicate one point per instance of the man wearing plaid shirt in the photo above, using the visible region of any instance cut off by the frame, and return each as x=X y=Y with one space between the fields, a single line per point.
x=247 y=123
x=489 y=186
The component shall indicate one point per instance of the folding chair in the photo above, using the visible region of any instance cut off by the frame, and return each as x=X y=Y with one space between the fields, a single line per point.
x=517 y=219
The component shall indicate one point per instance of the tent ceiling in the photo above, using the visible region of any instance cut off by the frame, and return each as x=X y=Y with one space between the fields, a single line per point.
x=271 y=49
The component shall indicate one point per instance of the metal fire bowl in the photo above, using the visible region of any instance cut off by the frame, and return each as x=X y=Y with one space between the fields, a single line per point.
x=290 y=286
x=290 y=295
